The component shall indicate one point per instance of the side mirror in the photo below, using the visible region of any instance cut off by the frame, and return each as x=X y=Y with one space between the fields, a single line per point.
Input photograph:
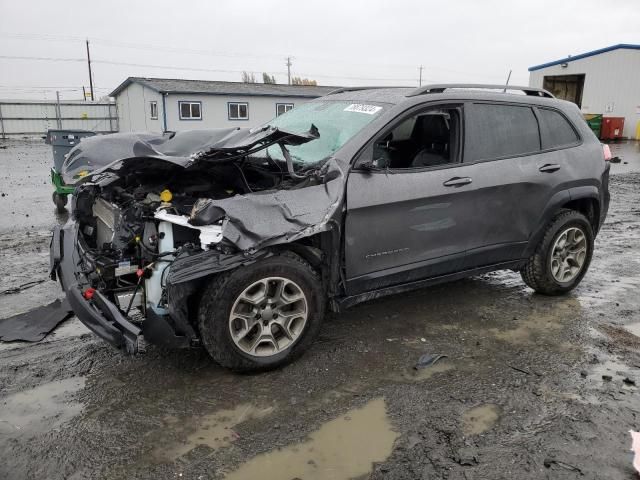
x=386 y=145
x=368 y=166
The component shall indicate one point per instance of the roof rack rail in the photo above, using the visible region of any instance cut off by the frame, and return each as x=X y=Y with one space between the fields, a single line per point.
x=357 y=89
x=439 y=88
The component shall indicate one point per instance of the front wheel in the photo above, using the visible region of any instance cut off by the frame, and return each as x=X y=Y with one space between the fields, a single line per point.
x=263 y=315
x=563 y=255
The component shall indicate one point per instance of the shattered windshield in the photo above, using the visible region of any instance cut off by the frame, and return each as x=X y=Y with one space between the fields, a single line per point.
x=336 y=122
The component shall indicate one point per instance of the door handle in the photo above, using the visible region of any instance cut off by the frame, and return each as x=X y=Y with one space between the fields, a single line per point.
x=457 y=182
x=549 y=167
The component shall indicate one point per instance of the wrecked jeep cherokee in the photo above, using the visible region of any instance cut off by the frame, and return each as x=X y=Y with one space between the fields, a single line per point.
x=240 y=239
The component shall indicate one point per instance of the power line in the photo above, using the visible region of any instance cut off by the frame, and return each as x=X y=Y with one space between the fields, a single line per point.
x=66 y=88
x=212 y=70
x=137 y=46
x=198 y=69
x=48 y=59
x=165 y=49
x=170 y=67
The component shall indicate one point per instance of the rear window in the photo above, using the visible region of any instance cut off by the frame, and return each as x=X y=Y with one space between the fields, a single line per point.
x=495 y=131
x=556 y=130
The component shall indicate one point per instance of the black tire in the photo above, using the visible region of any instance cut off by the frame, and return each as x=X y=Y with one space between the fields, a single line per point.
x=60 y=201
x=218 y=298
x=537 y=272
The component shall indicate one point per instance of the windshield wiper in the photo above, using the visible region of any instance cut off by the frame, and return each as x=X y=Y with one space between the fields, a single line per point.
x=315 y=134
x=289 y=160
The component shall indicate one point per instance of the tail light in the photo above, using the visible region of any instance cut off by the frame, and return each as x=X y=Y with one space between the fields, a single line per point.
x=607 y=152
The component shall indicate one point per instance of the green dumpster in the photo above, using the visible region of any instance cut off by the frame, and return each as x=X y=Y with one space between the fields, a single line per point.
x=594 y=120
x=62 y=141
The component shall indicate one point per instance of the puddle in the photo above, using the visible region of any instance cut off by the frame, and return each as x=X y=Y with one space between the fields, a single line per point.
x=25 y=414
x=539 y=323
x=343 y=448
x=214 y=430
x=480 y=419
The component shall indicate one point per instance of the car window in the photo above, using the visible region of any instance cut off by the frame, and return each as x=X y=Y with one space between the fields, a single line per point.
x=555 y=129
x=495 y=131
x=426 y=139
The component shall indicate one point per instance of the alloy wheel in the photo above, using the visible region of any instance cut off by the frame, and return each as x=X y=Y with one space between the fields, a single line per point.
x=268 y=316
x=568 y=254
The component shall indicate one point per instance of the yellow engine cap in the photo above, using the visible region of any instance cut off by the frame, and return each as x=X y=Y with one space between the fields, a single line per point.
x=166 y=196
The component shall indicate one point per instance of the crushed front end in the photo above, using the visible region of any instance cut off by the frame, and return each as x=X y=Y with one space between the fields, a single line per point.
x=111 y=259
x=146 y=232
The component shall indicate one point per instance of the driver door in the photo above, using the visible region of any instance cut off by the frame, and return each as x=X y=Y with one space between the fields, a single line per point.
x=410 y=219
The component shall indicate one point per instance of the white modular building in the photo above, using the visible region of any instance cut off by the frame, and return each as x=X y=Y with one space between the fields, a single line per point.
x=161 y=104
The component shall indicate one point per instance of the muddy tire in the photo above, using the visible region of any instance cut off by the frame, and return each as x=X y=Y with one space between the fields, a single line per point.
x=60 y=202
x=262 y=316
x=563 y=255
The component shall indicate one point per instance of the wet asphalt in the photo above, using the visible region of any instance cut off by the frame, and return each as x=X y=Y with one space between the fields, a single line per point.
x=531 y=387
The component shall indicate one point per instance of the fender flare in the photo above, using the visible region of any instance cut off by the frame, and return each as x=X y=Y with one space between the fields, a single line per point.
x=553 y=205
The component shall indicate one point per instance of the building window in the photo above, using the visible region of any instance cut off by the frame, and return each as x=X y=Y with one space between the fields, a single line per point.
x=190 y=110
x=238 y=111
x=283 y=108
x=153 y=110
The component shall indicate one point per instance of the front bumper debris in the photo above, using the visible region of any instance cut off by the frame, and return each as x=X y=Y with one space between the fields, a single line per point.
x=99 y=314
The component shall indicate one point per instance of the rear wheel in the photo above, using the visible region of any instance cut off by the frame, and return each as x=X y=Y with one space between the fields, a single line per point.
x=263 y=315
x=60 y=201
x=563 y=255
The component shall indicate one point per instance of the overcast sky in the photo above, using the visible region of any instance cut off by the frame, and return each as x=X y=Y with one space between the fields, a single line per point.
x=336 y=42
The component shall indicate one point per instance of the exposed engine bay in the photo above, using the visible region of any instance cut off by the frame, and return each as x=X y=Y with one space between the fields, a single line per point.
x=137 y=216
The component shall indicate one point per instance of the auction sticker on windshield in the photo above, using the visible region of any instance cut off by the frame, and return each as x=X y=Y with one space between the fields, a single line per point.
x=360 y=108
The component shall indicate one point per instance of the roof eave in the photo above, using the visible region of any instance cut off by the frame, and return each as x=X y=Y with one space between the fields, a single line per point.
x=592 y=53
x=238 y=94
x=128 y=81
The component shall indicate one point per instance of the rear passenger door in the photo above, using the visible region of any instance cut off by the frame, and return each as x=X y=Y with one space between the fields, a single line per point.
x=516 y=173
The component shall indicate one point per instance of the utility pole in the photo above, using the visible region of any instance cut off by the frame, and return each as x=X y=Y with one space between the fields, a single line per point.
x=58 y=111
x=90 y=75
x=288 y=70
x=507 y=84
x=420 y=82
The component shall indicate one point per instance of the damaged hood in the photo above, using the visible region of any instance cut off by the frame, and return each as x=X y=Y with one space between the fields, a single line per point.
x=186 y=148
x=251 y=220
x=266 y=218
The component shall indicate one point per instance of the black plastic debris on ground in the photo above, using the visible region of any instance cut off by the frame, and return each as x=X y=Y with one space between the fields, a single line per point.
x=34 y=325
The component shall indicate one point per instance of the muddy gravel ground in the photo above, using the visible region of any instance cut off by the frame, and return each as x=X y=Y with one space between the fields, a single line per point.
x=532 y=387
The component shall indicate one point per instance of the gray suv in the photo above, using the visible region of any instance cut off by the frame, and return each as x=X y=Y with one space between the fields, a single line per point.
x=240 y=239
